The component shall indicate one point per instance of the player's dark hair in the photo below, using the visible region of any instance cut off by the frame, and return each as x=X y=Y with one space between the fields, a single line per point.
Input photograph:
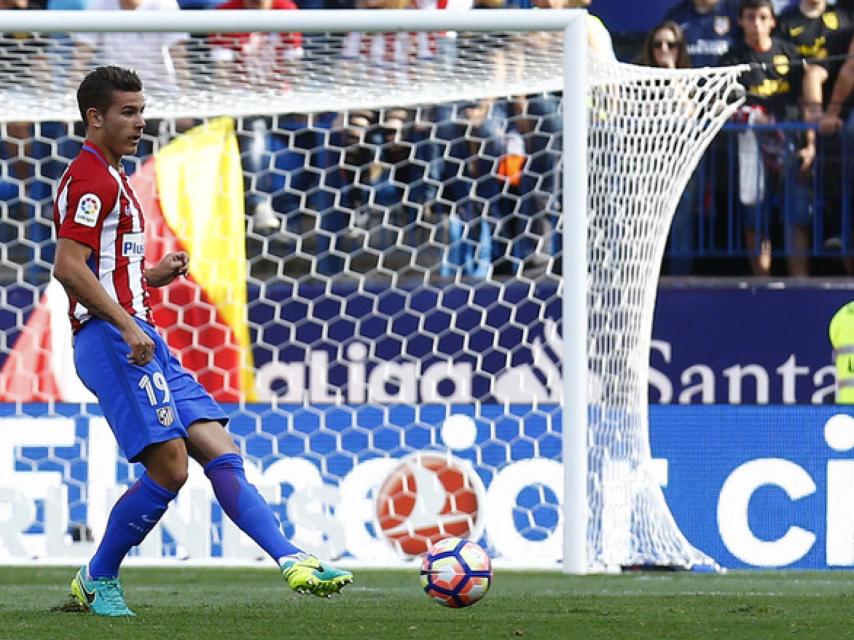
x=97 y=88
x=756 y=4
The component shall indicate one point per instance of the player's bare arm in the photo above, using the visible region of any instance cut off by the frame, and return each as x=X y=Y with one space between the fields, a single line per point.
x=170 y=267
x=814 y=77
x=73 y=273
x=831 y=122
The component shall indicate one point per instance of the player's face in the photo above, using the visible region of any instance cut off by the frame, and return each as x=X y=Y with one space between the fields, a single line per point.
x=123 y=123
x=757 y=24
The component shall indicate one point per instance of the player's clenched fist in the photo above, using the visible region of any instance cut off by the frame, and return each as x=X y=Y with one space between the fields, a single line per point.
x=170 y=267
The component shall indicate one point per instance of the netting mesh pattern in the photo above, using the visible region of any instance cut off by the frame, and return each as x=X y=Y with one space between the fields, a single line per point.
x=647 y=131
x=399 y=269
x=196 y=76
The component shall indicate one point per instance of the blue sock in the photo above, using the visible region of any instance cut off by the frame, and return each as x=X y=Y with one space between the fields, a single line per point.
x=132 y=517
x=245 y=506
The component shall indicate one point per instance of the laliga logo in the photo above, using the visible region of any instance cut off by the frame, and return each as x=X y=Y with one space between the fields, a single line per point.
x=428 y=497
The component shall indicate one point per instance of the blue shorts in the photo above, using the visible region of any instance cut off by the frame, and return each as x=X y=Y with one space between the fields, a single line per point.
x=142 y=405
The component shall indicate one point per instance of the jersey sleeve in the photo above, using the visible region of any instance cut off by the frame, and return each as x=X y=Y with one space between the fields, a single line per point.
x=90 y=201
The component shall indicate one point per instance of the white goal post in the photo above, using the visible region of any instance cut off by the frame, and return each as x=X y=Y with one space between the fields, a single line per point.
x=605 y=182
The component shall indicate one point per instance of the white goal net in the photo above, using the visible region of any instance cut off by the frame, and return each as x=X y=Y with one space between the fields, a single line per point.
x=375 y=224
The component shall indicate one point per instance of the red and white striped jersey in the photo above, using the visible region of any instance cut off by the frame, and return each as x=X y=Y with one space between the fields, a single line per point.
x=96 y=206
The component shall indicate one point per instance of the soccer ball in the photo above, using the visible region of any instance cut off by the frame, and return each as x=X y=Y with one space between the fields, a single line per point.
x=456 y=572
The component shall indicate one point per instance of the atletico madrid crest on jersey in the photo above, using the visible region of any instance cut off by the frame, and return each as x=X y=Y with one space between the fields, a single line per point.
x=722 y=25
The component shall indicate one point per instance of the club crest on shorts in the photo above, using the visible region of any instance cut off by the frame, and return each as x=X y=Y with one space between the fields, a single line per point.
x=165 y=416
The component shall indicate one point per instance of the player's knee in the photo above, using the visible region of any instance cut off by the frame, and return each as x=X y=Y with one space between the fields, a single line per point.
x=171 y=477
x=167 y=464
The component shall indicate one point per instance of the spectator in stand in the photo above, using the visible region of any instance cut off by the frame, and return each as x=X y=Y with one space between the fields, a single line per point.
x=19 y=67
x=815 y=28
x=665 y=48
x=834 y=118
x=158 y=58
x=472 y=134
x=383 y=55
x=260 y=59
x=709 y=27
x=538 y=186
x=257 y=58
x=819 y=32
x=598 y=38
x=24 y=193
x=839 y=118
x=774 y=84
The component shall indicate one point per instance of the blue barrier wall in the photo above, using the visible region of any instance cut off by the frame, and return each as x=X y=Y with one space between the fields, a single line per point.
x=752 y=487
x=760 y=486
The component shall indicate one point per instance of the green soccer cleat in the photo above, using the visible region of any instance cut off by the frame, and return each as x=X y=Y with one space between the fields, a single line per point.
x=306 y=574
x=103 y=597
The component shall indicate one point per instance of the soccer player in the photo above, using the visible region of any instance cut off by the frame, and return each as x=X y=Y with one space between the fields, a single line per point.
x=157 y=411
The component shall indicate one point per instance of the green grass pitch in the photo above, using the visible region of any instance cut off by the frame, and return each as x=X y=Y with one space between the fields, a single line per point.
x=195 y=604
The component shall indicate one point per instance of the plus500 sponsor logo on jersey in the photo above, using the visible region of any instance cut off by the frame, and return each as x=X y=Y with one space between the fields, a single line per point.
x=133 y=245
x=750 y=486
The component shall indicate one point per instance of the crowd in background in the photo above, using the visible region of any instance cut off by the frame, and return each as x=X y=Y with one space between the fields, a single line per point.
x=790 y=146
x=777 y=183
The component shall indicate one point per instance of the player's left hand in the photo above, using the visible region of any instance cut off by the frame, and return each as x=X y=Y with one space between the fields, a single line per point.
x=170 y=267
